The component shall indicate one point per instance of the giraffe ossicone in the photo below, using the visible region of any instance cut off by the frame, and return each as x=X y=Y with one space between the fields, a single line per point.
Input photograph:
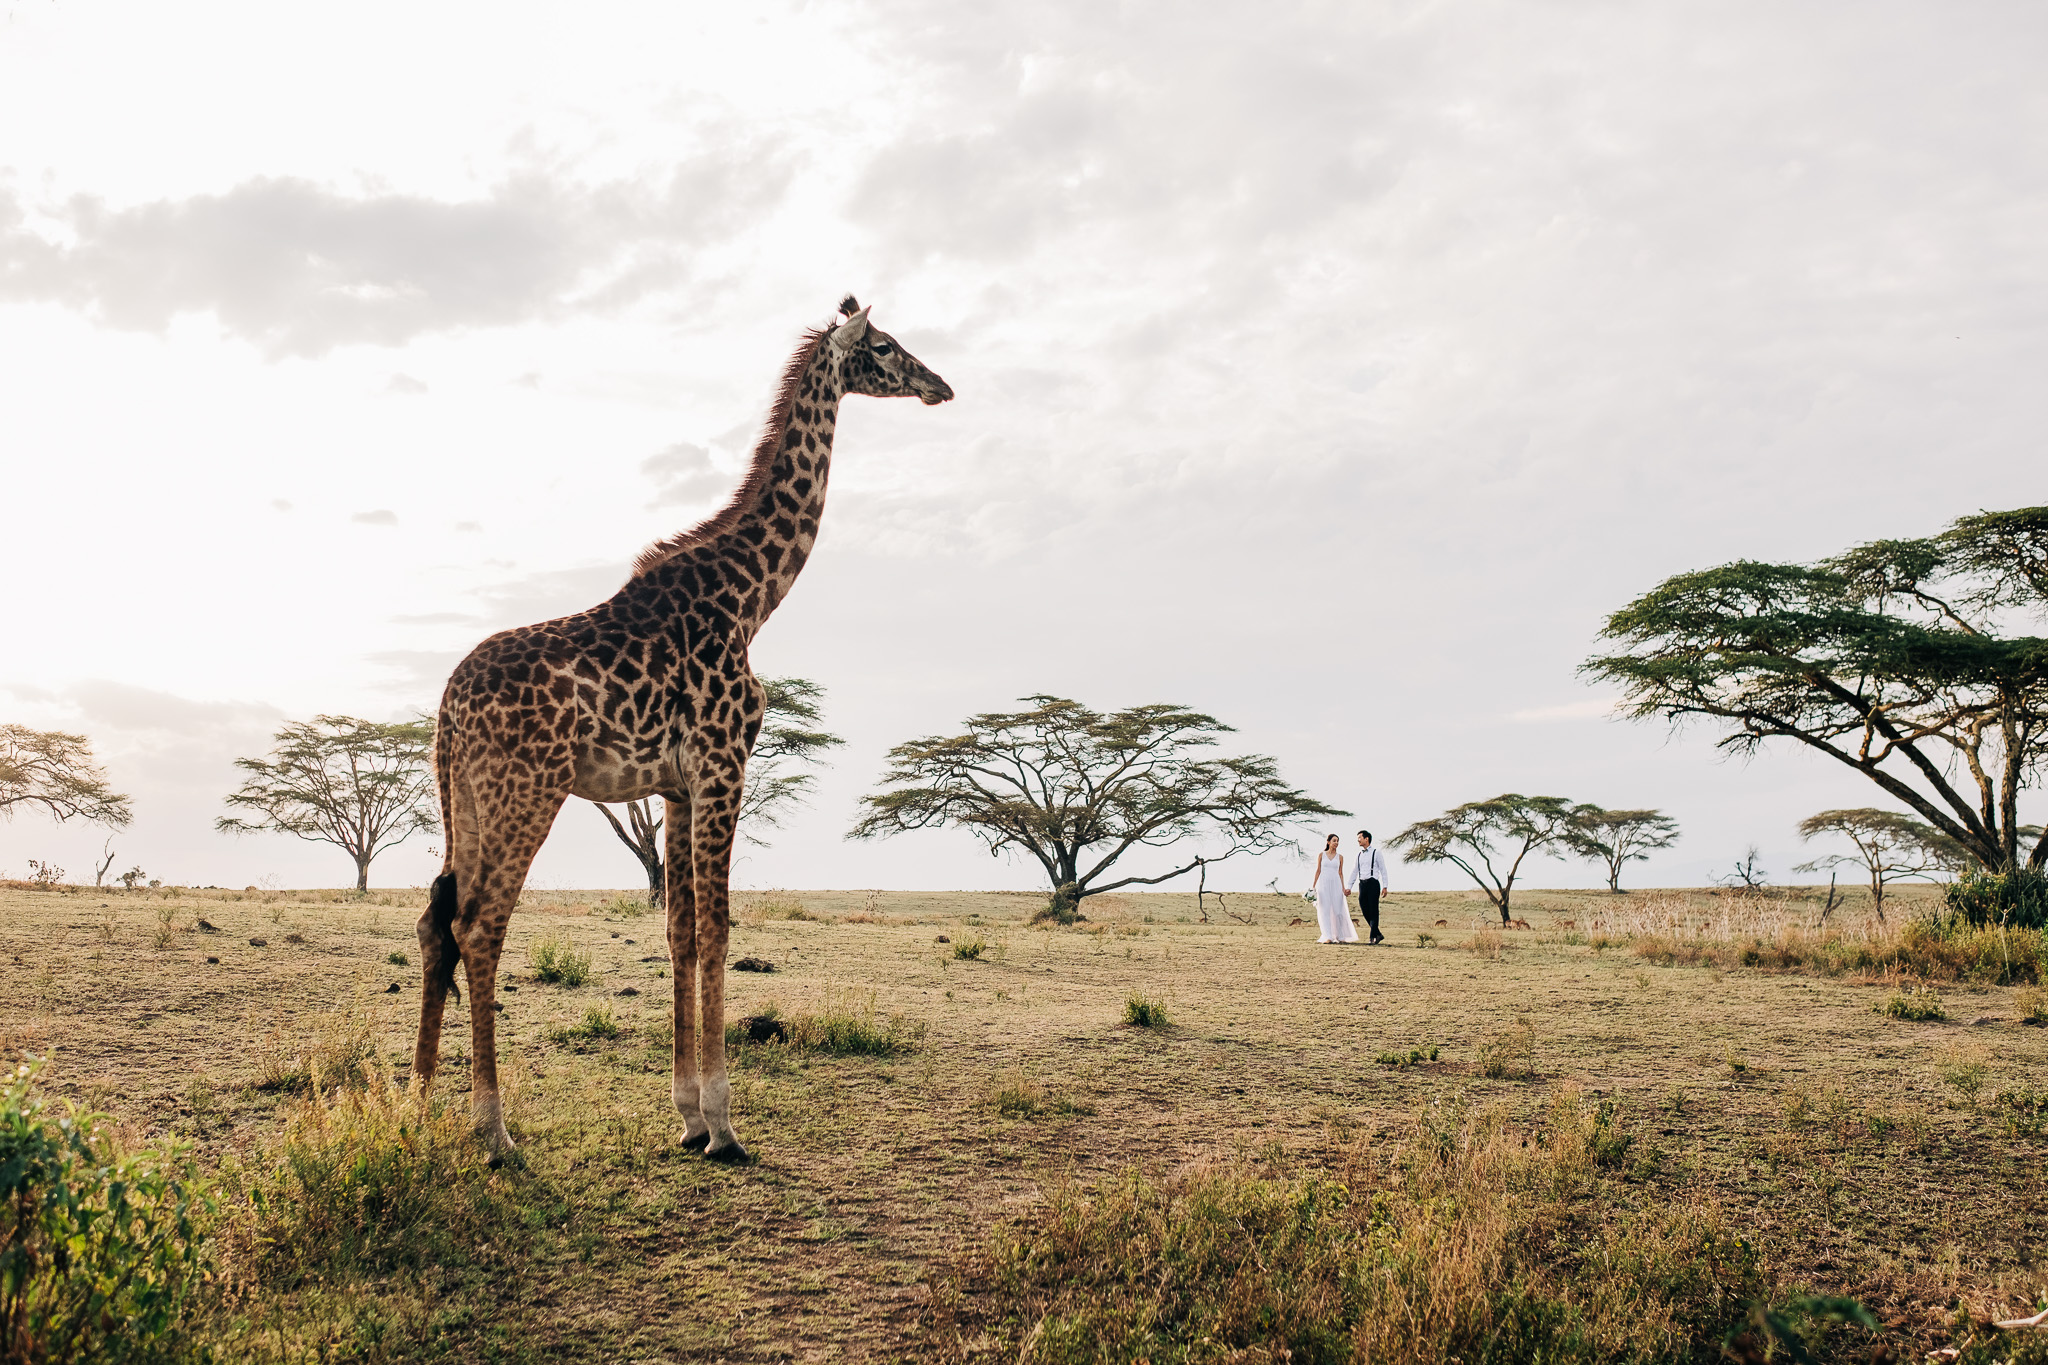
x=648 y=693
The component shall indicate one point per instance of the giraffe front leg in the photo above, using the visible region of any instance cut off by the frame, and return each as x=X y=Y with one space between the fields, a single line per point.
x=712 y=835
x=680 y=896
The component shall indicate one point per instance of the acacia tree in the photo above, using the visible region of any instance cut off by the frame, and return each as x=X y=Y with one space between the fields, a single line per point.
x=1889 y=846
x=1618 y=837
x=357 y=784
x=1075 y=790
x=789 y=739
x=1891 y=658
x=1507 y=829
x=55 y=771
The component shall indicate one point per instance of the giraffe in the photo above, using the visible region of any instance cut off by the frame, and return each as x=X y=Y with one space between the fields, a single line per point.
x=647 y=693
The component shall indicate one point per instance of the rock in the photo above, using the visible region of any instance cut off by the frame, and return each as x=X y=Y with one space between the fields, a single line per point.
x=391 y=989
x=1984 y=1019
x=629 y=941
x=497 y=1007
x=944 y=939
x=753 y=964
x=206 y=928
x=259 y=943
x=759 y=1028
x=654 y=959
x=627 y=990
x=214 y=960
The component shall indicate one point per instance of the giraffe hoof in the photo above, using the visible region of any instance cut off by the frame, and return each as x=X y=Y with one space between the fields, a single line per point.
x=731 y=1152
x=697 y=1142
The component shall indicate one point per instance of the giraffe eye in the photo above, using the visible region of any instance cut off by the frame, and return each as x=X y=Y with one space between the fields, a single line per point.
x=883 y=348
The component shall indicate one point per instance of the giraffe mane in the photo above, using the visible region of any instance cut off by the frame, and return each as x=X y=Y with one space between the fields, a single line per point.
x=758 y=467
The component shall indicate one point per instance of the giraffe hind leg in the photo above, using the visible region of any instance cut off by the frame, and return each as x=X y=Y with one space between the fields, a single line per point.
x=680 y=899
x=439 y=957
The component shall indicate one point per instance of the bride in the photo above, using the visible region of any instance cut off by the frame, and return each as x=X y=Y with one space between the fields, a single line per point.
x=1333 y=913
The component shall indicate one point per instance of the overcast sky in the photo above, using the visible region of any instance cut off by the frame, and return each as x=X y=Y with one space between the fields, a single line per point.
x=1331 y=368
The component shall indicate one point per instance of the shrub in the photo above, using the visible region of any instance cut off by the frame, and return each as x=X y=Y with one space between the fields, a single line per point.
x=1141 y=1011
x=99 y=1253
x=625 y=907
x=363 y=1182
x=2032 y=1005
x=2016 y=899
x=2025 y=1111
x=1414 y=1056
x=780 y=906
x=396 y=958
x=1063 y=908
x=1438 y=1246
x=969 y=949
x=557 y=962
x=1918 y=1003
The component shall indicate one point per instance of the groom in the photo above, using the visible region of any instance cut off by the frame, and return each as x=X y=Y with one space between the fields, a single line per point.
x=1369 y=877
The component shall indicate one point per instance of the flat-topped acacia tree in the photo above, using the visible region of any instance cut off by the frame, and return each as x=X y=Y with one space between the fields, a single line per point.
x=360 y=785
x=1076 y=789
x=1479 y=838
x=1897 y=658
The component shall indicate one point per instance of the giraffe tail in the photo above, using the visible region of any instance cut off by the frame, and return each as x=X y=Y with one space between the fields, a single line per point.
x=441 y=906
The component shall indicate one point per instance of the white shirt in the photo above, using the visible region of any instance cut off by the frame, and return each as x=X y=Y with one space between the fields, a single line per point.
x=1368 y=863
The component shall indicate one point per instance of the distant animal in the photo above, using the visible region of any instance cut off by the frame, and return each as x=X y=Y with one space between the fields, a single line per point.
x=1516 y=924
x=1568 y=924
x=1296 y=920
x=1443 y=924
x=649 y=693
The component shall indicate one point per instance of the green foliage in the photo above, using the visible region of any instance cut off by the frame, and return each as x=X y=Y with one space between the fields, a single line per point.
x=396 y=958
x=1414 y=1056
x=364 y=1182
x=1901 y=642
x=1792 y=1329
x=1017 y=1096
x=969 y=949
x=2016 y=899
x=1616 y=838
x=55 y=772
x=558 y=962
x=1063 y=908
x=2025 y=1111
x=1916 y=1003
x=100 y=1253
x=1141 y=1011
x=1076 y=789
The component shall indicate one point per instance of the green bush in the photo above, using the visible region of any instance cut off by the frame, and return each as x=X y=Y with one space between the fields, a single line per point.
x=99 y=1253
x=1143 y=1012
x=396 y=958
x=557 y=962
x=2015 y=900
x=597 y=1025
x=1063 y=908
x=969 y=949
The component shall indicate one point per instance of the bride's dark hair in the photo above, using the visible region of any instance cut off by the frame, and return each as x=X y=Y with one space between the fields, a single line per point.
x=1327 y=842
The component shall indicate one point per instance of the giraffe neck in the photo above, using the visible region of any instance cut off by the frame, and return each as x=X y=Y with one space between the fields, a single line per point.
x=782 y=500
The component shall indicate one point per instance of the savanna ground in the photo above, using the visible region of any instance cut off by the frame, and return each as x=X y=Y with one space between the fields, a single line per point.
x=893 y=1199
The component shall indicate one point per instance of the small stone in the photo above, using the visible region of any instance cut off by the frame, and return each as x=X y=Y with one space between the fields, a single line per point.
x=944 y=939
x=615 y=933
x=259 y=943
x=391 y=989
x=629 y=940
x=753 y=964
x=508 y=986
x=206 y=928
x=627 y=990
x=214 y=960
x=497 y=1007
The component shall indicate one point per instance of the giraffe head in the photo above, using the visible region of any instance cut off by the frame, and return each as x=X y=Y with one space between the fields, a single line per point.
x=873 y=362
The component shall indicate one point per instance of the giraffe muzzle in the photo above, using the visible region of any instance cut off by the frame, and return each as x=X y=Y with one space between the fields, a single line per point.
x=936 y=392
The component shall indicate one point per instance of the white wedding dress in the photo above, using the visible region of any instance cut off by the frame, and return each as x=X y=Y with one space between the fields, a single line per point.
x=1333 y=913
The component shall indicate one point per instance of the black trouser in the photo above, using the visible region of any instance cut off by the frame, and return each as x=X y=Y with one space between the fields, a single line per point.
x=1369 y=906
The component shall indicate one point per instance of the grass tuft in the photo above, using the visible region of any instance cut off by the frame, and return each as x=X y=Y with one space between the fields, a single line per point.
x=970 y=949
x=844 y=1026
x=1141 y=1011
x=396 y=958
x=596 y=1025
x=1017 y=1096
x=557 y=962
x=1511 y=1056
x=1916 y=1003
x=1414 y=1056
x=1439 y=1246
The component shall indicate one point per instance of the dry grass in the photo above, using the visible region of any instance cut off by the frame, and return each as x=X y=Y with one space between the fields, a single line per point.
x=880 y=1178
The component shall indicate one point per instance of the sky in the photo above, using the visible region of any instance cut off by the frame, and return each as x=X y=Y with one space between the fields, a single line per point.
x=1334 y=369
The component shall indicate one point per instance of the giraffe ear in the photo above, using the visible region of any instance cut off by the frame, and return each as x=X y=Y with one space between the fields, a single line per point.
x=850 y=332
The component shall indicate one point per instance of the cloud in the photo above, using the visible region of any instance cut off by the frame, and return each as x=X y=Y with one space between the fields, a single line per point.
x=684 y=475
x=383 y=516
x=405 y=384
x=297 y=268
